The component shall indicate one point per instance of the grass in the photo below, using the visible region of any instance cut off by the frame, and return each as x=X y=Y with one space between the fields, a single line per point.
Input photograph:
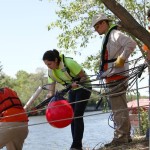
x=138 y=143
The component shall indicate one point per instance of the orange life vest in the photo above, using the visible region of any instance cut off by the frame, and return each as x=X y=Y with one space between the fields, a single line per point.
x=8 y=99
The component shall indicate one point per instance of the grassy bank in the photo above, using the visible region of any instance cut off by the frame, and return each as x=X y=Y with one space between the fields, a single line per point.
x=138 y=143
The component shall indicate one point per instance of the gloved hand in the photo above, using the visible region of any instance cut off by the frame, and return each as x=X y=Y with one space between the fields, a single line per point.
x=119 y=62
x=34 y=111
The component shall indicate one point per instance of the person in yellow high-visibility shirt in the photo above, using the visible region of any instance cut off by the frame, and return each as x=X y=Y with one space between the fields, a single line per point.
x=66 y=71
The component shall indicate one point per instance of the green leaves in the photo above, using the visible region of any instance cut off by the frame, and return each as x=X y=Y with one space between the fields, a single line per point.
x=74 y=21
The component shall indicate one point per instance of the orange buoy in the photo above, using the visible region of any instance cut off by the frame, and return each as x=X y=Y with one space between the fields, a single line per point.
x=59 y=113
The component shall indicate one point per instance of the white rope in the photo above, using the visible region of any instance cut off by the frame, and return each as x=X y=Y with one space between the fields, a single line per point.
x=98 y=96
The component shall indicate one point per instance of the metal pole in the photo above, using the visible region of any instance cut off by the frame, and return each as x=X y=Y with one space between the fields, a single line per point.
x=149 y=106
x=138 y=105
x=33 y=97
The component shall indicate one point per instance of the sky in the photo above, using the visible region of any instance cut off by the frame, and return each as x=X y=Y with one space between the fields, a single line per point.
x=24 y=36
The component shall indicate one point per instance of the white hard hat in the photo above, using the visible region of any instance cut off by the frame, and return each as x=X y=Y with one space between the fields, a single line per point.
x=98 y=18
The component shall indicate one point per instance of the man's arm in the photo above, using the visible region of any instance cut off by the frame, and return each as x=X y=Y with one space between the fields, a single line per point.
x=128 y=45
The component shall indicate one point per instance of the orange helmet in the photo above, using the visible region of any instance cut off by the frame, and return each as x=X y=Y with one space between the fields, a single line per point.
x=145 y=48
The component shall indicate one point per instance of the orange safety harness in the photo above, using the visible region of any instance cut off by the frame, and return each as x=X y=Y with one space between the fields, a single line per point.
x=104 y=53
x=105 y=61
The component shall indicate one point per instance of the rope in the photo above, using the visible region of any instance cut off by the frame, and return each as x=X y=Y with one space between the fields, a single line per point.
x=133 y=75
x=80 y=117
x=99 y=96
x=55 y=120
x=71 y=103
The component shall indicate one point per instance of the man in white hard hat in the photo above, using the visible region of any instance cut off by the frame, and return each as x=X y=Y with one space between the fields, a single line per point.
x=114 y=66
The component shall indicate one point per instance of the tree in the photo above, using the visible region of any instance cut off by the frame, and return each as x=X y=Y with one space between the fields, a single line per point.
x=0 y=68
x=26 y=85
x=5 y=79
x=75 y=20
x=128 y=22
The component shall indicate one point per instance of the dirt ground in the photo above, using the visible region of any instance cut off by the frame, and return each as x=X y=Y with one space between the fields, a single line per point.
x=138 y=143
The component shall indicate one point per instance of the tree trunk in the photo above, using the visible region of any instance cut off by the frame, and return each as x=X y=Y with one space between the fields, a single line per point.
x=128 y=22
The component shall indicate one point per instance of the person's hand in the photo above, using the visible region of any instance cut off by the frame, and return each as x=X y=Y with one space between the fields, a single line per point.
x=49 y=95
x=119 y=62
x=34 y=111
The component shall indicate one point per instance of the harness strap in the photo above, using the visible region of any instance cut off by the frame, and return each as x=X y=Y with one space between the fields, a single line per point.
x=110 y=61
x=103 y=61
x=52 y=76
x=64 y=69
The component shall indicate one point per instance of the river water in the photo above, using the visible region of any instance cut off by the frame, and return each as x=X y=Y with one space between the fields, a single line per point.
x=43 y=136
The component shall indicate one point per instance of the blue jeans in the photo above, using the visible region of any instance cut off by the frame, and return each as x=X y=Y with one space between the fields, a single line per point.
x=77 y=125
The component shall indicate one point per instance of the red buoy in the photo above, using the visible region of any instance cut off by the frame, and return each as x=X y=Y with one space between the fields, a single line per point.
x=59 y=113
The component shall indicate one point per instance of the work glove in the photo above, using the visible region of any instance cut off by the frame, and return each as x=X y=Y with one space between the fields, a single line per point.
x=119 y=62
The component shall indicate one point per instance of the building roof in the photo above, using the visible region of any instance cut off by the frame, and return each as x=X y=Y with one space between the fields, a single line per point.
x=142 y=103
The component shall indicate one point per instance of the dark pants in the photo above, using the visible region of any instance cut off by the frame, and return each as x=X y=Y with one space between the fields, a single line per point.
x=77 y=125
